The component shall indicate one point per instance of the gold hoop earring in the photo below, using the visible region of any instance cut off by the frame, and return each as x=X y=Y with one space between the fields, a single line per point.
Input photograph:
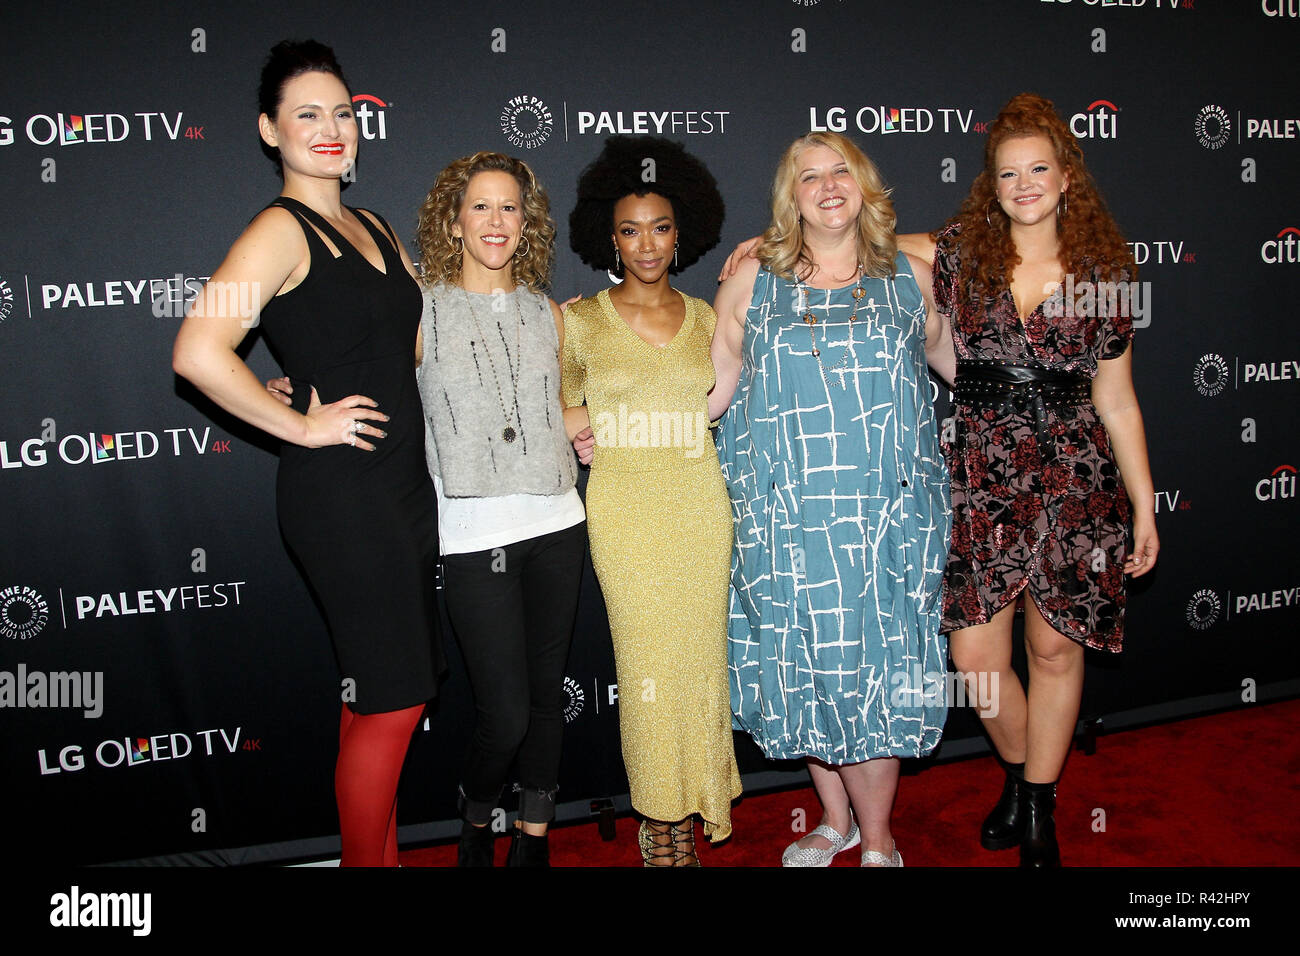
x=987 y=210
x=527 y=248
x=460 y=249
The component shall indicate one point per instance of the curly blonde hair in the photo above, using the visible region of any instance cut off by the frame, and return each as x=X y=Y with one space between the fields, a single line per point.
x=1089 y=238
x=782 y=250
x=440 y=252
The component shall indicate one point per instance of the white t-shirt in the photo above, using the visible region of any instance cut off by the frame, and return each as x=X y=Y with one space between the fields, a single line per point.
x=477 y=524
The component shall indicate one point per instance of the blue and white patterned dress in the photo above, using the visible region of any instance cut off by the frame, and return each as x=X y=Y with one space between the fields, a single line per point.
x=840 y=498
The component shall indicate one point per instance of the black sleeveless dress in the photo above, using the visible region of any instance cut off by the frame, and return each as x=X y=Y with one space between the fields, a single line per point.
x=363 y=525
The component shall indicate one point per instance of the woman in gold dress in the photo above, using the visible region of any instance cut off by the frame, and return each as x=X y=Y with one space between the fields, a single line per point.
x=658 y=515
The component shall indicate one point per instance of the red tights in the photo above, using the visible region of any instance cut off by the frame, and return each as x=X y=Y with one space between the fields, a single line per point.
x=372 y=748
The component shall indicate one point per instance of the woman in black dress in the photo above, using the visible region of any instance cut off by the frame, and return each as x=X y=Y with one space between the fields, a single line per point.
x=341 y=308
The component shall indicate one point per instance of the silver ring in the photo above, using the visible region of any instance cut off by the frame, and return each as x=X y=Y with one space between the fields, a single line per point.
x=355 y=426
x=352 y=440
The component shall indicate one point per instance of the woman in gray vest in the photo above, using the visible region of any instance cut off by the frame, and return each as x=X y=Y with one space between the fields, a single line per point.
x=512 y=527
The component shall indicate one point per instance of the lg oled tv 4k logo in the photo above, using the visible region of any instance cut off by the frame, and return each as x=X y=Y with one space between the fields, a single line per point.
x=78 y=129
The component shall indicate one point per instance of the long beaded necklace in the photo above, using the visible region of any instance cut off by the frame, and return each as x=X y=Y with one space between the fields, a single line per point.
x=508 y=433
x=811 y=320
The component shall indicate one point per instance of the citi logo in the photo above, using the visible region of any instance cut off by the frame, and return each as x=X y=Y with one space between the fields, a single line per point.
x=1284 y=247
x=365 y=111
x=1099 y=121
x=1279 y=484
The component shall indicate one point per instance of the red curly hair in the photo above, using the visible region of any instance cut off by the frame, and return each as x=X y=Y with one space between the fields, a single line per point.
x=1089 y=237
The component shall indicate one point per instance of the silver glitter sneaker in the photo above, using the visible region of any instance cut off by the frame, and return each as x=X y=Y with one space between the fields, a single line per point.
x=796 y=855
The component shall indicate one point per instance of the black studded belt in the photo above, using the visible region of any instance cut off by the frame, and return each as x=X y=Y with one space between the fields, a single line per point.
x=1010 y=387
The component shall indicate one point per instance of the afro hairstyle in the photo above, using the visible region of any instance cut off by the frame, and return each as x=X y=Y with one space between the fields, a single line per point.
x=622 y=169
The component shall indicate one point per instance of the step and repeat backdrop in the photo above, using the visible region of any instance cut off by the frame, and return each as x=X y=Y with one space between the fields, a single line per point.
x=167 y=688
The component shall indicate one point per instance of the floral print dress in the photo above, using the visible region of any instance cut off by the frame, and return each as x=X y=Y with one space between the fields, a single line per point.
x=1053 y=520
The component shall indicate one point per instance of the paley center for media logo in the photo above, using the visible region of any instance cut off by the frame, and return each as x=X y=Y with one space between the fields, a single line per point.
x=6 y=299
x=24 y=612
x=526 y=121
x=1213 y=126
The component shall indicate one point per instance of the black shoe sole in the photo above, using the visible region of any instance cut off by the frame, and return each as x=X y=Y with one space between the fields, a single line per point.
x=1001 y=843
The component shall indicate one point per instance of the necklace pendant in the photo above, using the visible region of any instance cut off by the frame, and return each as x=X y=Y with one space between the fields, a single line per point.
x=817 y=353
x=509 y=434
x=810 y=319
x=858 y=291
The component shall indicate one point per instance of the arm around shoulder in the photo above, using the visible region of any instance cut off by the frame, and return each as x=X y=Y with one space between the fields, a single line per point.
x=918 y=245
x=939 y=352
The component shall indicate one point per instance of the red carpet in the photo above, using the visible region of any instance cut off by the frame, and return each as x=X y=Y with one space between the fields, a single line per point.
x=1211 y=791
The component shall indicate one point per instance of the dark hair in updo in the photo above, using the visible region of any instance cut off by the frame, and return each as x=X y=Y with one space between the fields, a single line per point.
x=621 y=170
x=288 y=59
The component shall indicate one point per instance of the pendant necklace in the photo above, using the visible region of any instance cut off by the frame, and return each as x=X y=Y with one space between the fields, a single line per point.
x=811 y=320
x=509 y=434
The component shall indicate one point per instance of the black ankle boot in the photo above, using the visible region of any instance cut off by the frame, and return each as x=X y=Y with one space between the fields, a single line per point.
x=528 y=850
x=1039 y=847
x=1004 y=827
x=476 y=845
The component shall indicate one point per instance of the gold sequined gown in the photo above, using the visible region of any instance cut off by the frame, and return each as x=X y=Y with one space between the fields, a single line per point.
x=659 y=522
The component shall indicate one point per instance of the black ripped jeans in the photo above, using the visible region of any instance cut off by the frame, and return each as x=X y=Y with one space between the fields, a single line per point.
x=512 y=609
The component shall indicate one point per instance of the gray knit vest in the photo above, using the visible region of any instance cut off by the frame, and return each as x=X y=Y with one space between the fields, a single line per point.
x=483 y=352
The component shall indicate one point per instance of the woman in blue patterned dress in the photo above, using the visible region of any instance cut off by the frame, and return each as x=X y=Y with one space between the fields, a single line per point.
x=839 y=493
